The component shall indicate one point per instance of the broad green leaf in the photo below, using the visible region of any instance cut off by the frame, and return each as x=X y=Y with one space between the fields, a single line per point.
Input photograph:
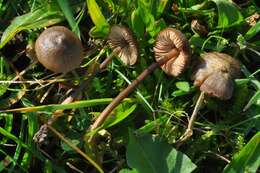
x=158 y=26
x=184 y=86
x=33 y=20
x=150 y=126
x=137 y=23
x=121 y=112
x=147 y=4
x=160 y=6
x=101 y=28
x=147 y=17
x=228 y=14
x=179 y=93
x=148 y=154
x=248 y=159
x=252 y=31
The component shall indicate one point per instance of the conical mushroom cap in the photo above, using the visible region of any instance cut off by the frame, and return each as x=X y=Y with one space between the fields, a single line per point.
x=168 y=40
x=58 y=49
x=215 y=73
x=121 y=41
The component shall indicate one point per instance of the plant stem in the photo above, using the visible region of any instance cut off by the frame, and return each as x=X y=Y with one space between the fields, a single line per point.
x=116 y=101
x=189 y=131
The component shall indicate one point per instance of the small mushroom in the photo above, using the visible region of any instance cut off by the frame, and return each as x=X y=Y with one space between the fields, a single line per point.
x=58 y=49
x=121 y=41
x=214 y=75
x=167 y=42
x=123 y=44
x=171 y=48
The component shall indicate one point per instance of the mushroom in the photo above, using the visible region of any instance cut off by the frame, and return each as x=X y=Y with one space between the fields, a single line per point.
x=214 y=75
x=123 y=44
x=172 y=53
x=58 y=49
x=167 y=42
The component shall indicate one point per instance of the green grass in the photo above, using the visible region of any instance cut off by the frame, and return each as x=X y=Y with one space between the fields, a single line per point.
x=143 y=130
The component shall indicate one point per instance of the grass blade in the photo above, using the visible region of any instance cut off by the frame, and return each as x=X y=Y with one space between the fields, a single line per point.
x=33 y=20
x=101 y=25
x=248 y=159
x=66 y=9
x=54 y=107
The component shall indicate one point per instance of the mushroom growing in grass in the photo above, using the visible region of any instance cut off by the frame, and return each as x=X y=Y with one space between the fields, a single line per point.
x=122 y=43
x=214 y=75
x=58 y=49
x=172 y=53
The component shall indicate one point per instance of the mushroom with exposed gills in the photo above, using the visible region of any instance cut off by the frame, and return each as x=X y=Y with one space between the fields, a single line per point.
x=120 y=40
x=214 y=75
x=172 y=53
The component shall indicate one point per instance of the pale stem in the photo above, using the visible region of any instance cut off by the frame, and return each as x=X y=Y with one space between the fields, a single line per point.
x=189 y=131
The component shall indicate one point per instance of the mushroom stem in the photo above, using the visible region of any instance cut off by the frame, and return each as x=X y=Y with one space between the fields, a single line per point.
x=189 y=131
x=123 y=94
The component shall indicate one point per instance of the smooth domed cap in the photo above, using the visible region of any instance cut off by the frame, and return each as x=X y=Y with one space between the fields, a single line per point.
x=121 y=41
x=214 y=74
x=168 y=40
x=58 y=49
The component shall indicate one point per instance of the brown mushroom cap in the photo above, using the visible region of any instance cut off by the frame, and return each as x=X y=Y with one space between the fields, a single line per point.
x=214 y=74
x=58 y=49
x=168 y=40
x=121 y=41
